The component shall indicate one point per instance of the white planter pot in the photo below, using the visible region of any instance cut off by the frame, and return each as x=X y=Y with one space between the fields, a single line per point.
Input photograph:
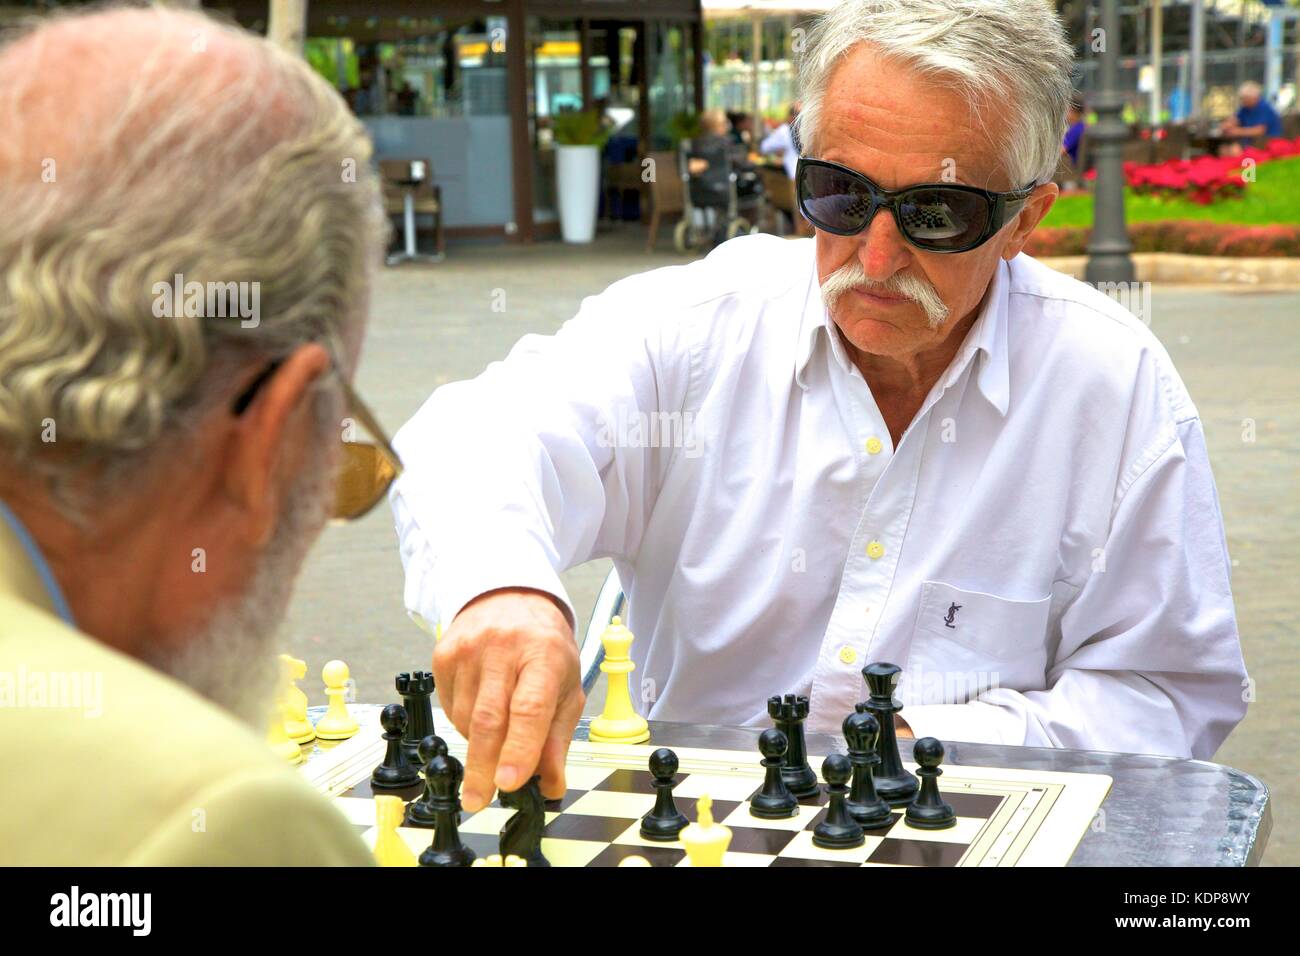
x=577 y=182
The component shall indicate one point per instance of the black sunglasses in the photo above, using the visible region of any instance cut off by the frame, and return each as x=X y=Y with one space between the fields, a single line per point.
x=936 y=217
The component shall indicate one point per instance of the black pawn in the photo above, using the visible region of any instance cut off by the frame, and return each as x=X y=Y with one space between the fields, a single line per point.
x=774 y=801
x=419 y=813
x=665 y=821
x=893 y=783
x=929 y=811
x=789 y=713
x=446 y=848
x=861 y=731
x=395 y=772
x=838 y=830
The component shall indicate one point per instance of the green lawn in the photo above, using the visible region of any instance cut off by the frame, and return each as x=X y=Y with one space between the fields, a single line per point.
x=1274 y=197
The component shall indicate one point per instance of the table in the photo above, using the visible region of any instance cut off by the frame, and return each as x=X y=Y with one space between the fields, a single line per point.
x=1211 y=142
x=409 y=254
x=1160 y=812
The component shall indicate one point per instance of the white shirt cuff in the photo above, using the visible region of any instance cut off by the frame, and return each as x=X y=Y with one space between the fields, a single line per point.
x=973 y=722
x=453 y=582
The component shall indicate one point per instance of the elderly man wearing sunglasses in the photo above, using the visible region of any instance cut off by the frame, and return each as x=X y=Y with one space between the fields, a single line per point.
x=902 y=440
x=164 y=471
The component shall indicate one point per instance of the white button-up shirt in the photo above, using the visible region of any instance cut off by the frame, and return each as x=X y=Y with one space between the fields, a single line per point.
x=1042 y=552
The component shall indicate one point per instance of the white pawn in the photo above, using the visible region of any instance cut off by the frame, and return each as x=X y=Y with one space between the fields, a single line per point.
x=277 y=739
x=706 y=842
x=296 y=724
x=337 y=724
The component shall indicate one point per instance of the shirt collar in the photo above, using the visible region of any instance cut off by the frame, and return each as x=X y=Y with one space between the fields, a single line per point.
x=987 y=337
x=24 y=570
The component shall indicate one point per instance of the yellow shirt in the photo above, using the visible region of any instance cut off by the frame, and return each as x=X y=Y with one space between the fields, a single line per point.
x=106 y=761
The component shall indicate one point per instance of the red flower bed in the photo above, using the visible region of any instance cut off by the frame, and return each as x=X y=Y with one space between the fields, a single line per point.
x=1193 y=238
x=1205 y=179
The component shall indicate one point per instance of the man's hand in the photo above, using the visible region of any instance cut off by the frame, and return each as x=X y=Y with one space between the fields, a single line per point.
x=507 y=673
x=902 y=729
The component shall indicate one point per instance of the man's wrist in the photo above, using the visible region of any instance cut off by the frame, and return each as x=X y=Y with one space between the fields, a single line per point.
x=555 y=599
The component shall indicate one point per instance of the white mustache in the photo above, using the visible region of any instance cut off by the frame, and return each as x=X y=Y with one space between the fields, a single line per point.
x=851 y=276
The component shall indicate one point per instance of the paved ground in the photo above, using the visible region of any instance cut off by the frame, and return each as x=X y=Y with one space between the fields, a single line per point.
x=1237 y=351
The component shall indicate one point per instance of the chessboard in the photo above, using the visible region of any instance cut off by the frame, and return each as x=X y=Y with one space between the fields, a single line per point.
x=1005 y=817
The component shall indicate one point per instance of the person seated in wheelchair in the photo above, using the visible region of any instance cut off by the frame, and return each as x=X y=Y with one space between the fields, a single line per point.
x=714 y=155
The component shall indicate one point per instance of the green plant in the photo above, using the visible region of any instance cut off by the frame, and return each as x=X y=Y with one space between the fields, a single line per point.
x=576 y=128
x=684 y=125
x=1273 y=198
x=1190 y=237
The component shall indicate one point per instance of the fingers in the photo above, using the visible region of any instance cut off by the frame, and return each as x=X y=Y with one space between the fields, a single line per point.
x=488 y=722
x=532 y=709
x=556 y=748
x=444 y=677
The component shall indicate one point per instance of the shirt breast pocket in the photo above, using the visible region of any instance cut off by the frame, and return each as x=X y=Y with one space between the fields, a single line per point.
x=996 y=627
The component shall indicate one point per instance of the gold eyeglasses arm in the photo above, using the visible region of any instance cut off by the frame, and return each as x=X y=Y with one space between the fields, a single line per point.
x=359 y=410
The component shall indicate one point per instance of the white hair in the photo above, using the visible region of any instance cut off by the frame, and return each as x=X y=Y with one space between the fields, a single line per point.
x=1250 y=88
x=206 y=152
x=1011 y=54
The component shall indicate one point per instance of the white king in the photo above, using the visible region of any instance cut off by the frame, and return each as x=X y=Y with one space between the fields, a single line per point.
x=619 y=723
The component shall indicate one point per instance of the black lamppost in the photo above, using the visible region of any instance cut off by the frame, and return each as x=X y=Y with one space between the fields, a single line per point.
x=1108 y=247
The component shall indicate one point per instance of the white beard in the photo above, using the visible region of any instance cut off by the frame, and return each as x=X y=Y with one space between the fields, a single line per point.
x=233 y=661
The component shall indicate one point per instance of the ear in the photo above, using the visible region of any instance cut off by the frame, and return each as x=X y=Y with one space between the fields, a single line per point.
x=1036 y=207
x=269 y=441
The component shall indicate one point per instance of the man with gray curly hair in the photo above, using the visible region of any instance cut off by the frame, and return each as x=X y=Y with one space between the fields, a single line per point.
x=902 y=440
x=191 y=226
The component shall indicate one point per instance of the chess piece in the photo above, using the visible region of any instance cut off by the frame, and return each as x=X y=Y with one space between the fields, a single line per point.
x=706 y=842
x=390 y=850
x=496 y=859
x=296 y=724
x=446 y=848
x=929 y=811
x=774 y=801
x=417 y=697
x=420 y=812
x=861 y=731
x=665 y=821
x=634 y=860
x=395 y=772
x=789 y=715
x=619 y=723
x=893 y=783
x=838 y=830
x=522 y=834
x=277 y=739
x=337 y=724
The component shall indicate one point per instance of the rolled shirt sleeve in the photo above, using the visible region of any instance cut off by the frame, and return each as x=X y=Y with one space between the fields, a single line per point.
x=1149 y=658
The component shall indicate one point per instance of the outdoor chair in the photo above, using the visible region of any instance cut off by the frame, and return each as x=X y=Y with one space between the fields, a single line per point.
x=780 y=194
x=666 y=193
x=428 y=195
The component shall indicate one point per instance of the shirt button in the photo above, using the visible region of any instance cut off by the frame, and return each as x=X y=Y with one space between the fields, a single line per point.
x=875 y=550
x=848 y=655
x=874 y=446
